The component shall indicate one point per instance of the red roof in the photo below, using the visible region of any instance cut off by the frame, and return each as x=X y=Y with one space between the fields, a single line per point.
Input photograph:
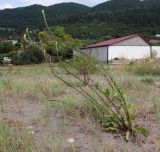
x=113 y=41
x=154 y=41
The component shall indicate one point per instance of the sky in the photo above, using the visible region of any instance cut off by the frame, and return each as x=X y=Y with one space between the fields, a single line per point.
x=18 y=3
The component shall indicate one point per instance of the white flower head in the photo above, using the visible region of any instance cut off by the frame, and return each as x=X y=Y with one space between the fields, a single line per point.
x=43 y=12
x=31 y=132
x=71 y=140
x=27 y=30
x=25 y=36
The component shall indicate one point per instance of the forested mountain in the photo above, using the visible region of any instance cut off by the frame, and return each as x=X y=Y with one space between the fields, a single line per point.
x=113 y=5
x=116 y=18
x=118 y=4
x=112 y=18
x=21 y=18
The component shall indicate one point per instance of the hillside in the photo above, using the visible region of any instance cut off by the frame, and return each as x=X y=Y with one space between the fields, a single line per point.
x=117 y=18
x=112 y=18
x=20 y=18
x=118 y=4
x=113 y=5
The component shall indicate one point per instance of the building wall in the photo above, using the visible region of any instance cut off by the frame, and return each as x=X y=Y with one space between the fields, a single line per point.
x=99 y=53
x=133 y=48
x=135 y=41
x=128 y=52
x=157 y=49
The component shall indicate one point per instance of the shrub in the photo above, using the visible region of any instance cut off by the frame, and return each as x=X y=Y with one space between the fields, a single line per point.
x=114 y=111
x=147 y=69
x=32 y=54
x=109 y=105
x=84 y=66
x=6 y=47
x=15 y=57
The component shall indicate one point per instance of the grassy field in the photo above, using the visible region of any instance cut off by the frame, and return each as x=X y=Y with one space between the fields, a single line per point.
x=39 y=113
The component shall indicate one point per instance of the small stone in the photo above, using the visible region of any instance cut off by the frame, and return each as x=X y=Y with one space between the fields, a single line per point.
x=71 y=140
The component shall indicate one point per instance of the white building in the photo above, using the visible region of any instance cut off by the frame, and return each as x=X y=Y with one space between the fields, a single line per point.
x=129 y=47
x=13 y=42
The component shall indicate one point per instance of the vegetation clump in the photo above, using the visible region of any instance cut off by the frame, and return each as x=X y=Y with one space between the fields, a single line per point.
x=10 y=142
x=32 y=54
x=152 y=69
x=114 y=111
x=109 y=105
x=80 y=65
x=148 y=81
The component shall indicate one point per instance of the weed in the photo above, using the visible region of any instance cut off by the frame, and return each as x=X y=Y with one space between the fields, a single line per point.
x=148 y=81
x=114 y=111
x=110 y=106
x=146 y=69
x=10 y=142
x=83 y=65
x=67 y=106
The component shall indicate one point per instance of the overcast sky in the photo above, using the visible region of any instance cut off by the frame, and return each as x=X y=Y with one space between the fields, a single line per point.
x=17 y=3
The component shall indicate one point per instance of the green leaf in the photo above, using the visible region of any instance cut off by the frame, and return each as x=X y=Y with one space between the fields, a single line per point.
x=127 y=135
x=132 y=112
x=109 y=129
x=106 y=93
x=107 y=124
x=116 y=96
x=97 y=85
x=125 y=96
x=132 y=109
x=143 y=131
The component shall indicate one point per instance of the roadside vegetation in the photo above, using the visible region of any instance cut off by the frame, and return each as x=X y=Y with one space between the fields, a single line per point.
x=35 y=102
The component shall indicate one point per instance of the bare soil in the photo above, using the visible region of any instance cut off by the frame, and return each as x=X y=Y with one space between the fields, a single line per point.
x=21 y=113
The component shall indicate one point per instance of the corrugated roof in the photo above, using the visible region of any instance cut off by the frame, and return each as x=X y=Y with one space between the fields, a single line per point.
x=112 y=41
x=154 y=41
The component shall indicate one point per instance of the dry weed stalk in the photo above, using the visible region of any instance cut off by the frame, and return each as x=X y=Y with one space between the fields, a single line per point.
x=113 y=110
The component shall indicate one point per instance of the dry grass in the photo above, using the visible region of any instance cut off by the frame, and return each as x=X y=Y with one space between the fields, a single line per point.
x=61 y=113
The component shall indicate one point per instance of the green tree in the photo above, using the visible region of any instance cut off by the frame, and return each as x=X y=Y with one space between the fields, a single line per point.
x=6 y=47
x=32 y=54
x=60 y=41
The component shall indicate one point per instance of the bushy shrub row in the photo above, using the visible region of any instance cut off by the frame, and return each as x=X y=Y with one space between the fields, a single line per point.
x=31 y=55
x=6 y=47
x=145 y=69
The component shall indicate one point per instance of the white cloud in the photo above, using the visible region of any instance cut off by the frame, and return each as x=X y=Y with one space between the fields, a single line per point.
x=91 y=2
x=7 y=5
x=18 y=3
x=51 y=2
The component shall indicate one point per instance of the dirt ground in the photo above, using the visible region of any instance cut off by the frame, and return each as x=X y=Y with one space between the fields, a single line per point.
x=22 y=114
x=51 y=129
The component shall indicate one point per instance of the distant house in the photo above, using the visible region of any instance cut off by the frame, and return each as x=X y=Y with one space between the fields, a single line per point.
x=153 y=41
x=9 y=41
x=157 y=35
x=129 y=47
